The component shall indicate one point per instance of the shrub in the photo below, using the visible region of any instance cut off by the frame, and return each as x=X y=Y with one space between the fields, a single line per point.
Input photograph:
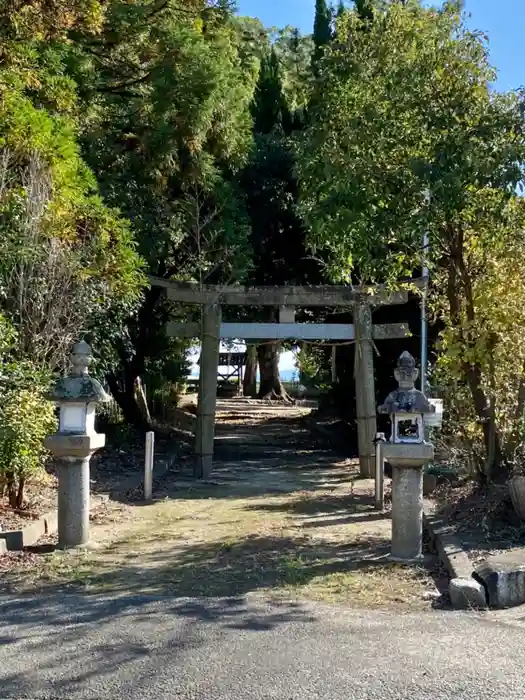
x=26 y=417
x=25 y=420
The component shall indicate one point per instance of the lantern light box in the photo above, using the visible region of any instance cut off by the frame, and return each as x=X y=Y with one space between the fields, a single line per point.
x=77 y=418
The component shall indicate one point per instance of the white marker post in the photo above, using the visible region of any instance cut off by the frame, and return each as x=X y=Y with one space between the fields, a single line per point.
x=148 y=466
x=380 y=472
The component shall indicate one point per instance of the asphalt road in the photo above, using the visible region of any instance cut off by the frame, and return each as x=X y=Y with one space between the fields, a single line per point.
x=75 y=646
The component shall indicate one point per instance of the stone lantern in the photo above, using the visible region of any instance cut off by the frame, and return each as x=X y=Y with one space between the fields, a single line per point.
x=407 y=452
x=77 y=396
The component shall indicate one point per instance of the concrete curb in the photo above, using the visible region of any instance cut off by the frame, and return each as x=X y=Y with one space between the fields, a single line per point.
x=449 y=549
x=47 y=524
x=465 y=591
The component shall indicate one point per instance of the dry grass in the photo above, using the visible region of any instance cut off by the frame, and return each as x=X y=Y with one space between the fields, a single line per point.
x=197 y=544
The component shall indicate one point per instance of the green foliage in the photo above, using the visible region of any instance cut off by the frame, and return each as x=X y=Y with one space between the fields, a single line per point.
x=252 y=39
x=67 y=261
x=166 y=129
x=407 y=112
x=365 y=9
x=26 y=418
x=394 y=124
x=278 y=232
x=309 y=361
x=35 y=39
x=268 y=180
x=171 y=123
x=50 y=20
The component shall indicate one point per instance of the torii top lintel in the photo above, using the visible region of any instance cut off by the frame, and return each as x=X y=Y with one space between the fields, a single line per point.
x=326 y=295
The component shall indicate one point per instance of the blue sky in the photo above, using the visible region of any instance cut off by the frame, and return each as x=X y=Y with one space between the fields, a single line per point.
x=502 y=20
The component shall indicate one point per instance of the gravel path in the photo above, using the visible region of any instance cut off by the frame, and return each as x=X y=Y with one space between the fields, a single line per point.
x=243 y=648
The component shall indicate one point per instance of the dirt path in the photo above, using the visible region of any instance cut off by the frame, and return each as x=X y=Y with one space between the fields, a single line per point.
x=281 y=515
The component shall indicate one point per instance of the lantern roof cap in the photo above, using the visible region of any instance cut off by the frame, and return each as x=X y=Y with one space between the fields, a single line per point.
x=79 y=387
x=406 y=398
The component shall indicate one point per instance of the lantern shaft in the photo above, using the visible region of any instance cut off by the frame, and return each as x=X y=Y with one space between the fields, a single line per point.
x=73 y=501
x=407 y=513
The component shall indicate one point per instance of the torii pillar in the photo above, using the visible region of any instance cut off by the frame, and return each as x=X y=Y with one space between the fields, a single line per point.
x=365 y=389
x=207 y=402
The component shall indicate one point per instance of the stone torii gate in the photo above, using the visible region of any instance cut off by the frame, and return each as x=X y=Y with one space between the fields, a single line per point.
x=212 y=329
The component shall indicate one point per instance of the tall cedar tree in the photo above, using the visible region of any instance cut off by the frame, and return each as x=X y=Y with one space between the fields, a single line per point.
x=322 y=30
x=269 y=108
x=278 y=233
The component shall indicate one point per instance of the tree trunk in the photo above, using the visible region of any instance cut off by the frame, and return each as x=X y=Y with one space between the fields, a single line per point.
x=271 y=386
x=142 y=401
x=20 y=492
x=514 y=441
x=125 y=384
x=249 y=382
x=125 y=395
x=12 y=491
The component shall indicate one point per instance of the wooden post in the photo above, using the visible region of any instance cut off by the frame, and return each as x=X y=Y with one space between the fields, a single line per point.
x=365 y=389
x=334 y=364
x=205 y=428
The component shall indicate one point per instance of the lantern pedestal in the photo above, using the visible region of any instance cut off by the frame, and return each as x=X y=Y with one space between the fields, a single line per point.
x=407 y=462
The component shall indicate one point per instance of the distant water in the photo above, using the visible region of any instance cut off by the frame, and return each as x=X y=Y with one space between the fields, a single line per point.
x=287 y=375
